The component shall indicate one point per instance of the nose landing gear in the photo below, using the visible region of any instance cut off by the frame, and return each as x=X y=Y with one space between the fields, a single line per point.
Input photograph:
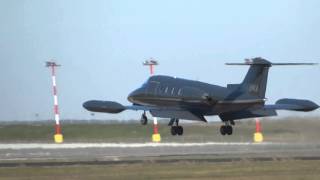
x=175 y=129
x=144 y=119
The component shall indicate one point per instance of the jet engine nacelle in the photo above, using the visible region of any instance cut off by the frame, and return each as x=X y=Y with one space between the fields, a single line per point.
x=103 y=106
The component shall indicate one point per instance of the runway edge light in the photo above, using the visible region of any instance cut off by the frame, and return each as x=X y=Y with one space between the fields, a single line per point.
x=258 y=137
x=58 y=137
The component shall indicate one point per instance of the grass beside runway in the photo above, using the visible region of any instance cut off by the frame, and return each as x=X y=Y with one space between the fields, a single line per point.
x=251 y=170
x=291 y=130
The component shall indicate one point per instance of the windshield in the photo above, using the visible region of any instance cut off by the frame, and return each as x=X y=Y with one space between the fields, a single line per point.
x=144 y=84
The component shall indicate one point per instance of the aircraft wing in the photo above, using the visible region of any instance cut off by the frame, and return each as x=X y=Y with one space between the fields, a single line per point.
x=164 y=112
x=181 y=113
x=270 y=110
x=293 y=105
x=247 y=114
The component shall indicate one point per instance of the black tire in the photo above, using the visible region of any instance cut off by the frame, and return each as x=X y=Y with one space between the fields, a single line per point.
x=223 y=130
x=173 y=130
x=180 y=130
x=229 y=130
x=144 y=120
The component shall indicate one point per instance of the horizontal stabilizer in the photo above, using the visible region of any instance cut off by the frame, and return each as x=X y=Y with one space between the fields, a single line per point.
x=262 y=62
x=293 y=105
x=273 y=64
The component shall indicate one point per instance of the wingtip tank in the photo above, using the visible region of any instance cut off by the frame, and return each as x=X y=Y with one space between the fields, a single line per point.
x=103 y=106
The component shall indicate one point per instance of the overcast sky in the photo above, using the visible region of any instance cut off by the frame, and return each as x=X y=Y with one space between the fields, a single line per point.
x=102 y=44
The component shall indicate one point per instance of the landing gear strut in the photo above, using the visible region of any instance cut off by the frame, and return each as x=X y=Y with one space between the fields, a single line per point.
x=144 y=119
x=175 y=129
x=227 y=128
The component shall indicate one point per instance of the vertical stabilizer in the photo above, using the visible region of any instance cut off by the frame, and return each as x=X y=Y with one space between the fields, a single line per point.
x=255 y=82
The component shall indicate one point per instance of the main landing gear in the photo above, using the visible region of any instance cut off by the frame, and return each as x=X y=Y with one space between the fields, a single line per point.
x=144 y=119
x=175 y=128
x=227 y=128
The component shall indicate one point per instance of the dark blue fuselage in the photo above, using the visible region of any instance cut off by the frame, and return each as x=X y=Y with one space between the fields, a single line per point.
x=165 y=91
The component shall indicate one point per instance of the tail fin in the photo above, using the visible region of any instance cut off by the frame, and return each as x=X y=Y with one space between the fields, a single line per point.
x=255 y=82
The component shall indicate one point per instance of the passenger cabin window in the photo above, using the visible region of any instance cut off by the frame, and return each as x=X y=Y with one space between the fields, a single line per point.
x=172 y=91
x=179 y=92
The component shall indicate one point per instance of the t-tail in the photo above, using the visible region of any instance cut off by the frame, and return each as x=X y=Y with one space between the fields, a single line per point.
x=255 y=81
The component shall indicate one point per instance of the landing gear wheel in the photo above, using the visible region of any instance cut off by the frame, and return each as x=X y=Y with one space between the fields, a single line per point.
x=229 y=130
x=144 y=119
x=223 y=130
x=179 y=130
x=226 y=129
x=174 y=130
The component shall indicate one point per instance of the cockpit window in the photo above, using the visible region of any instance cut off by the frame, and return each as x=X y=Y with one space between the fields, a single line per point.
x=144 y=84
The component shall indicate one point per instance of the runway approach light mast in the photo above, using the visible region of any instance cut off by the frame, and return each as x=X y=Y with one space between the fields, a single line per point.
x=151 y=63
x=156 y=135
x=58 y=137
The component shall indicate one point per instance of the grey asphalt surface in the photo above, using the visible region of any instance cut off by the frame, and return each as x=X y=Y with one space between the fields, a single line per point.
x=119 y=152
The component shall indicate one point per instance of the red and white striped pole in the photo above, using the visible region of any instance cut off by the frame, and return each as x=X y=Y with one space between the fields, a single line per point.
x=156 y=137
x=155 y=120
x=258 y=137
x=258 y=125
x=151 y=69
x=58 y=137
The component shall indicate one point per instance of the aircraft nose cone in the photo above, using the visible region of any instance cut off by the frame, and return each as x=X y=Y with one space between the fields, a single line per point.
x=132 y=96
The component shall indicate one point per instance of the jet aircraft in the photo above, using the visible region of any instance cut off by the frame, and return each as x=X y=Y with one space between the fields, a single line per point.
x=175 y=98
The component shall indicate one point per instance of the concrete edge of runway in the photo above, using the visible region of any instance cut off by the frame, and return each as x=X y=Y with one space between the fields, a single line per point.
x=19 y=146
x=154 y=160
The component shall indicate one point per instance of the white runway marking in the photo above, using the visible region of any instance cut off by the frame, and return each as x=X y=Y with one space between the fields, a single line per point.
x=116 y=145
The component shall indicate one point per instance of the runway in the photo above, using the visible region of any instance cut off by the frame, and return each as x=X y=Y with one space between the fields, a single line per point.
x=134 y=151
